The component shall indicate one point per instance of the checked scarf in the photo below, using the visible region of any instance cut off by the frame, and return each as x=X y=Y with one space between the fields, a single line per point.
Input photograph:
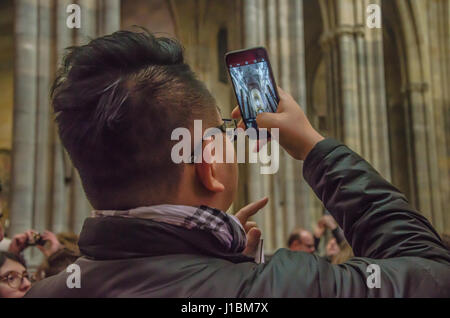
x=225 y=227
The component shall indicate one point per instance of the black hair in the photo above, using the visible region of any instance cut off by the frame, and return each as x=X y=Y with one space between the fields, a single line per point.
x=117 y=101
x=292 y=238
x=13 y=257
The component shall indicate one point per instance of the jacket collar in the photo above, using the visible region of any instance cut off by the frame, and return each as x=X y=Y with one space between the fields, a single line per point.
x=113 y=237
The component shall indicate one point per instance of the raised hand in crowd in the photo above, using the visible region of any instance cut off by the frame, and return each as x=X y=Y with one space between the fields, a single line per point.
x=52 y=244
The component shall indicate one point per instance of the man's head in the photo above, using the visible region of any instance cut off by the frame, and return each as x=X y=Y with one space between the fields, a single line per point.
x=301 y=240
x=117 y=100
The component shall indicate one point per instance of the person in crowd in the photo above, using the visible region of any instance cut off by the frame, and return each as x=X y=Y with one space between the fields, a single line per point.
x=301 y=240
x=327 y=222
x=59 y=250
x=119 y=98
x=344 y=253
x=14 y=280
x=332 y=248
x=304 y=241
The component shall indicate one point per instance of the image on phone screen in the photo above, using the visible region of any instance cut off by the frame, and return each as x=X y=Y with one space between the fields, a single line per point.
x=254 y=89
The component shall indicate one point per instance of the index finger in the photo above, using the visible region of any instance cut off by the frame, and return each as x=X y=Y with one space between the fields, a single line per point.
x=251 y=209
x=236 y=114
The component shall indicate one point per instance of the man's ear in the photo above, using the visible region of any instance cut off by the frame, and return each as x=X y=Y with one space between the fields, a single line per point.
x=206 y=173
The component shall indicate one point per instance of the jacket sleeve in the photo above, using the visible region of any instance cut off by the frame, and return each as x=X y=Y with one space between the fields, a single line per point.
x=380 y=225
x=377 y=220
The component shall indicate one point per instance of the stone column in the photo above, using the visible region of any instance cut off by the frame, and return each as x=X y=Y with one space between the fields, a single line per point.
x=355 y=84
x=42 y=194
x=45 y=191
x=253 y=36
x=109 y=16
x=303 y=195
x=418 y=91
x=60 y=190
x=25 y=93
x=438 y=42
x=276 y=194
x=278 y=25
x=423 y=186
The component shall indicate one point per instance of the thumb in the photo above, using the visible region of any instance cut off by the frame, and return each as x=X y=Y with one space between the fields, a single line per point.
x=253 y=237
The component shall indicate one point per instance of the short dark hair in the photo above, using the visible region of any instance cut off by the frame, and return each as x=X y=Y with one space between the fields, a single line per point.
x=13 y=257
x=117 y=101
x=295 y=236
x=292 y=238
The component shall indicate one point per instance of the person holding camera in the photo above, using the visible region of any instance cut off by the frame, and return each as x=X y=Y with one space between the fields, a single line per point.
x=46 y=242
x=159 y=228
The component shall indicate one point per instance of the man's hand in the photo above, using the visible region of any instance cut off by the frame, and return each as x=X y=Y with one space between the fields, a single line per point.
x=52 y=244
x=297 y=135
x=20 y=241
x=329 y=222
x=250 y=227
x=319 y=229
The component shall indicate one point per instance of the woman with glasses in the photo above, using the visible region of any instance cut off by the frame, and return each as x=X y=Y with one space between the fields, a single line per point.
x=14 y=281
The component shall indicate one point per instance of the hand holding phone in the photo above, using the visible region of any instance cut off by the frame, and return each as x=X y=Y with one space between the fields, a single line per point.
x=253 y=83
x=296 y=134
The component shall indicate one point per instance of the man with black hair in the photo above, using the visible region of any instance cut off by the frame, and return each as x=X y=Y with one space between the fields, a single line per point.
x=159 y=230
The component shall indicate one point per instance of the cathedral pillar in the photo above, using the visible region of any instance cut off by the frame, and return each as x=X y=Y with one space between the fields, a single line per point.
x=355 y=81
x=25 y=108
x=278 y=26
x=46 y=190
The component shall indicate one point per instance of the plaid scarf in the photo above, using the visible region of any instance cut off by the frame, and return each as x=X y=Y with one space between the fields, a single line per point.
x=225 y=227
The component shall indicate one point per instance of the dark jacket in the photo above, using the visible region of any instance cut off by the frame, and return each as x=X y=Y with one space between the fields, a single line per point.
x=141 y=258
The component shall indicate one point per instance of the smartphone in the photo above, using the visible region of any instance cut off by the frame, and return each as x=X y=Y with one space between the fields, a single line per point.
x=253 y=83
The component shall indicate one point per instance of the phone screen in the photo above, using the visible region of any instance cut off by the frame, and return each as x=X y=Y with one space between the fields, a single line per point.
x=253 y=83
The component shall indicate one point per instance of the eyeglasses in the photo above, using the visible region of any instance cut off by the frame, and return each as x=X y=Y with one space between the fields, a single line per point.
x=229 y=125
x=14 y=279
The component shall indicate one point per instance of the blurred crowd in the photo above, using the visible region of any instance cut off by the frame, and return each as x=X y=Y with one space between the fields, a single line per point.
x=336 y=249
x=58 y=250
